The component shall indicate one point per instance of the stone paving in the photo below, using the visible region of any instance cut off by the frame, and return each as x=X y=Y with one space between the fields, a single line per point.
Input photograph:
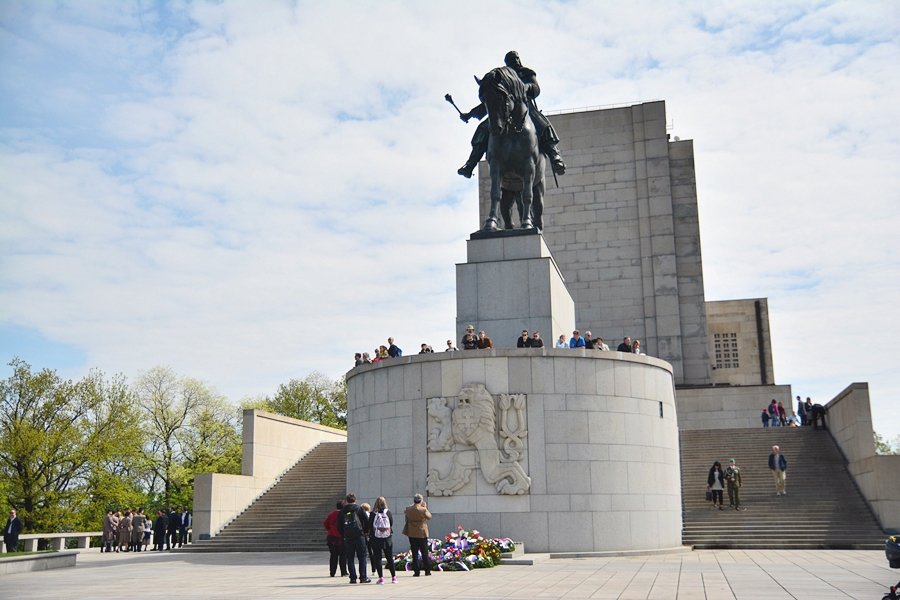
x=707 y=574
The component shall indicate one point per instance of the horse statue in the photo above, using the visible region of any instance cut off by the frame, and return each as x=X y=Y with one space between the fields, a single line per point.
x=515 y=162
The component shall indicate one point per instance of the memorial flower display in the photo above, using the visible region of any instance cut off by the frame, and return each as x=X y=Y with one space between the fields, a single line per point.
x=461 y=550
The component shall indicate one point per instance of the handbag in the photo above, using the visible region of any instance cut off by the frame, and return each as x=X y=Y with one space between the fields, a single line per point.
x=708 y=495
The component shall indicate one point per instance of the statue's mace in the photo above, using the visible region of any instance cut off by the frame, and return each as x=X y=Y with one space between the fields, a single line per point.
x=449 y=99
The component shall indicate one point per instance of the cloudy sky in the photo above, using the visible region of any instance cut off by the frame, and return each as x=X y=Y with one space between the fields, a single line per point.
x=250 y=191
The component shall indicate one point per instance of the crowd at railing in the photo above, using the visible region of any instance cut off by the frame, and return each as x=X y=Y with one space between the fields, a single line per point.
x=481 y=341
x=123 y=531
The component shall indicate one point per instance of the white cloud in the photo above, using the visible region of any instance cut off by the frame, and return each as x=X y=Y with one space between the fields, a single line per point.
x=250 y=191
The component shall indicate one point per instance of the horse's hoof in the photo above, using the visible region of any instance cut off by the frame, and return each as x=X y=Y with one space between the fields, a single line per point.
x=490 y=225
x=527 y=224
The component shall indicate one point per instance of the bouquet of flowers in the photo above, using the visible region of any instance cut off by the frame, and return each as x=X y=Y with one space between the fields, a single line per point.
x=461 y=550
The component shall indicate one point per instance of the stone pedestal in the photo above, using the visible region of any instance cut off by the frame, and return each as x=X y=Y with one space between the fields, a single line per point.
x=565 y=450
x=510 y=282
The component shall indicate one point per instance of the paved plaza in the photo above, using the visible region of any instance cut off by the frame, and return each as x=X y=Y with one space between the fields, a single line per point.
x=709 y=574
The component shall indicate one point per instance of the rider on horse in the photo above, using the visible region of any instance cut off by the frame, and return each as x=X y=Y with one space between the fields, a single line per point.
x=547 y=137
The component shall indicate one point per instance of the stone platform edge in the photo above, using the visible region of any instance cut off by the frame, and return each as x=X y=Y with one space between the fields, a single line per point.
x=38 y=562
x=623 y=553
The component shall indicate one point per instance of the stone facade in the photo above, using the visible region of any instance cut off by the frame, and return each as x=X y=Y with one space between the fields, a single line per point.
x=511 y=283
x=728 y=407
x=740 y=344
x=624 y=230
x=600 y=454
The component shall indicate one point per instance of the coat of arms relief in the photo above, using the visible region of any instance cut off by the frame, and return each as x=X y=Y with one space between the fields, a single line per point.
x=474 y=431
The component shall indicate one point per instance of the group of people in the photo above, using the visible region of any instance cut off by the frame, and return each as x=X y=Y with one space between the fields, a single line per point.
x=481 y=341
x=360 y=532
x=597 y=343
x=129 y=530
x=729 y=479
x=382 y=352
x=808 y=413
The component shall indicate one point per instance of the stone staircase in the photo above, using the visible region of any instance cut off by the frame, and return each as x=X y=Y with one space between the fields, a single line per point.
x=823 y=507
x=288 y=517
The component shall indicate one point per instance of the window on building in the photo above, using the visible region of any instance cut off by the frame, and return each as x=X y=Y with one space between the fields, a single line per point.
x=726 y=347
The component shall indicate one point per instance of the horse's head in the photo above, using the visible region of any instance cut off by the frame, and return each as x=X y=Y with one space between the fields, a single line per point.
x=497 y=90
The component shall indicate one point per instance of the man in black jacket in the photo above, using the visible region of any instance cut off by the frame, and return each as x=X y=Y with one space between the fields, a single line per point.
x=159 y=530
x=172 y=530
x=11 y=531
x=184 y=523
x=352 y=524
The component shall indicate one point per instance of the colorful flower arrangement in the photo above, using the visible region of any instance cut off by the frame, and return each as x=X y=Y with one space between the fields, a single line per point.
x=461 y=550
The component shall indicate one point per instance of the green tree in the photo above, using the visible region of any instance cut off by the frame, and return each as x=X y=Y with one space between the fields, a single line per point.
x=189 y=430
x=883 y=446
x=212 y=442
x=315 y=398
x=56 y=438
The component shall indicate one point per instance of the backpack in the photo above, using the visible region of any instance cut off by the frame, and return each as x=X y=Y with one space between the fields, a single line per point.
x=352 y=527
x=381 y=525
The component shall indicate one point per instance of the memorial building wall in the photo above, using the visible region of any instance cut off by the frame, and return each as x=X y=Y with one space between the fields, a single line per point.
x=624 y=230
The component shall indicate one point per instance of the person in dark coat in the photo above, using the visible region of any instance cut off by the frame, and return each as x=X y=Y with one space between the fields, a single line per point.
x=354 y=540
x=110 y=525
x=159 y=530
x=184 y=523
x=11 y=531
x=172 y=529
x=715 y=483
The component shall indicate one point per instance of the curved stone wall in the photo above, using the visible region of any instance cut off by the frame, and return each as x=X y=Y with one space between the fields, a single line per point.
x=588 y=463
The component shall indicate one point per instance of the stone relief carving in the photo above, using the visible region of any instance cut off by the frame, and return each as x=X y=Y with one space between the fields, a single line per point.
x=512 y=424
x=471 y=422
x=440 y=435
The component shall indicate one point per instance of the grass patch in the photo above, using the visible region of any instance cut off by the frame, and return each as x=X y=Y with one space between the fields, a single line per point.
x=13 y=554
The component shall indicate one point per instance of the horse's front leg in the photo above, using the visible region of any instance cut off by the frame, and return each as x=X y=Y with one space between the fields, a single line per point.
x=537 y=205
x=527 y=198
x=506 y=200
x=491 y=223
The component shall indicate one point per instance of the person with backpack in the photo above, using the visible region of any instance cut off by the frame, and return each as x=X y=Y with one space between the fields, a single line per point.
x=416 y=529
x=381 y=526
x=352 y=526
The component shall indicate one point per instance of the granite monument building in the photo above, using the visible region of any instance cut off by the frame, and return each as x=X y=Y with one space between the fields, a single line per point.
x=572 y=450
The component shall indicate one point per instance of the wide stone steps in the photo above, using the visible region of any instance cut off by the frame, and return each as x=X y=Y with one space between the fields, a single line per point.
x=822 y=509
x=288 y=517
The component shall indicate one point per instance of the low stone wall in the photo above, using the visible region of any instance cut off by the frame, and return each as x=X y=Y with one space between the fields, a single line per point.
x=598 y=437
x=727 y=407
x=37 y=562
x=272 y=444
x=57 y=541
x=849 y=420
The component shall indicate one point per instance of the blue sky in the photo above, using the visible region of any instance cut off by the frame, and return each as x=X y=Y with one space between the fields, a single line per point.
x=248 y=192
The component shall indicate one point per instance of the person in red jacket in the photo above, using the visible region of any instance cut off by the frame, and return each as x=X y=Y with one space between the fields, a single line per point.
x=335 y=541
